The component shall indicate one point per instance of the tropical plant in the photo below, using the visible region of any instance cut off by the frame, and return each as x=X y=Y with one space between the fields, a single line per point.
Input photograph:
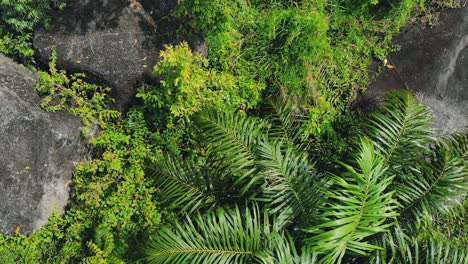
x=17 y=20
x=225 y=236
x=379 y=208
x=74 y=94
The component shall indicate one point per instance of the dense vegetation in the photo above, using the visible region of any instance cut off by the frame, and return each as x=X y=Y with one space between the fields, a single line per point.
x=18 y=18
x=252 y=155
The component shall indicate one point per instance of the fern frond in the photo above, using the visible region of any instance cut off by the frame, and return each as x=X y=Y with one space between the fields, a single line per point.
x=234 y=137
x=357 y=208
x=102 y=247
x=182 y=186
x=401 y=130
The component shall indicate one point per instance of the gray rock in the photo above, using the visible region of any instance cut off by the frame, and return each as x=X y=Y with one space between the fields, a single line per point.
x=38 y=151
x=116 y=41
x=433 y=63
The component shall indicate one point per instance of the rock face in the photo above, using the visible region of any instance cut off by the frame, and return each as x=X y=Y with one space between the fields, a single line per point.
x=116 y=41
x=38 y=151
x=433 y=63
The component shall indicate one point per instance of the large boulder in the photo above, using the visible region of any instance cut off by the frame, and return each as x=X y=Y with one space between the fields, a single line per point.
x=116 y=41
x=433 y=63
x=38 y=151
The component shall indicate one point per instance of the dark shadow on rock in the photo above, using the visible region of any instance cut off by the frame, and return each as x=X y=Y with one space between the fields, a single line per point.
x=433 y=64
x=84 y=16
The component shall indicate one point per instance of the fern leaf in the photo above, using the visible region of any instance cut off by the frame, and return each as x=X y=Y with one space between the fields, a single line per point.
x=287 y=124
x=400 y=248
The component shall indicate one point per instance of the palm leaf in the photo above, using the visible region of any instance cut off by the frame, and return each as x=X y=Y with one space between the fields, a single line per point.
x=221 y=236
x=226 y=236
x=394 y=245
x=181 y=185
x=291 y=183
x=234 y=138
x=357 y=208
x=456 y=144
x=401 y=130
x=287 y=124
x=285 y=252
x=400 y=248
x=442 y=178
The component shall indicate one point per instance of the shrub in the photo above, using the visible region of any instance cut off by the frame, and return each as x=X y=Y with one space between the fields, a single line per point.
x=17 y=20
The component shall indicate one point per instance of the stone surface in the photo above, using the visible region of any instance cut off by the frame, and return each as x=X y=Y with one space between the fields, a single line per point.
x=116 y=41
x=433 y=63
x=38 y=151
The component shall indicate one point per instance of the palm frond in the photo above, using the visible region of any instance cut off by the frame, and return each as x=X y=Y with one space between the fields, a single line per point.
x=181 y=185
x=401 y=130
x=444 y=252
x=226 y=236
x=441 y=179
x=400 y=248
x=291 y=182
x=287 y=124
x=358 y=207
x=234 y=137
x=220 y=236
x=285 y=252
x=394 y=245
x=456 y=144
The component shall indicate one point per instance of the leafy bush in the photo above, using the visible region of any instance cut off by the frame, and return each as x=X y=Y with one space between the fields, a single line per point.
x=112 y=204
x=73 y=94
x=314 y=51
x=187 y=86
x=17 y=20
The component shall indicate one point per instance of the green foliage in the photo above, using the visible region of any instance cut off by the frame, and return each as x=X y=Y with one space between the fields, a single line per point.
x=184 y=186
x=234 y=137
x=72 y=93
x=372 y=209
x=253 y=189
x=19 y=248
x=224 y=236
x=16 y=45
x=112 y=198
x=23 y=15
x=188 y=85
x=313 y=51
x=103 y=247
x=440 y=179
x=400 y=129
x=357 y=207
x=17 y=20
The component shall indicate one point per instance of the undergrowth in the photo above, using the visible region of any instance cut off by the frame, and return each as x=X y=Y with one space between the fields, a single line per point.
x=310 y=53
